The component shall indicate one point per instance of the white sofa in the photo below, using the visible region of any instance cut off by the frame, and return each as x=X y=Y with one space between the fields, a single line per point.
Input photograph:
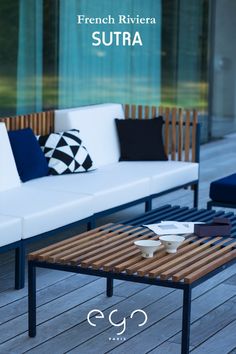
x=41 y=205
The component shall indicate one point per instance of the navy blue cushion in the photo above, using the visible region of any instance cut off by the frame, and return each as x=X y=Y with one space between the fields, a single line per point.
x=224 y=189
x=30 y=160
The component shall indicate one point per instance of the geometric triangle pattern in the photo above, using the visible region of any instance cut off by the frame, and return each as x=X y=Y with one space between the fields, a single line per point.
x=65 y=153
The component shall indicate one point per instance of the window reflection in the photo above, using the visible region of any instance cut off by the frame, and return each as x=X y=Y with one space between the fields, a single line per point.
x=47 y=61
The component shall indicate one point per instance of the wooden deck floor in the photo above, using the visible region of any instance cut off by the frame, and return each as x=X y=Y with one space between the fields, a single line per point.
x=64 y=299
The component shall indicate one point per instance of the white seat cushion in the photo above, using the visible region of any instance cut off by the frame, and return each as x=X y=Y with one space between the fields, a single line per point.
x=119 y=183
x=10 y=230
x=43 y=210
x=9 y=177
x=172 y=174
x=163 y=175
x=97 y=128
x=109 y=188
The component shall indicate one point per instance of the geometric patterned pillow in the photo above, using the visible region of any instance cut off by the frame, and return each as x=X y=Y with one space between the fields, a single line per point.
x=65 y=153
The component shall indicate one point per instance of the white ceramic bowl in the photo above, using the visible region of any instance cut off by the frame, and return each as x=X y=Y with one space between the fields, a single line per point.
x=171 y=242
x=147 y=247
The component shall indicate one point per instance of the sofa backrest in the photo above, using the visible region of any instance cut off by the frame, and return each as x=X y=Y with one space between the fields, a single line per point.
x=97 y=127
x=181 y=131
x=9 y=177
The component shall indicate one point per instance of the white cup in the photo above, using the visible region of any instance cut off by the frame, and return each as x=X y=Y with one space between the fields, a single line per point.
x=148 y=247
x=171 y=242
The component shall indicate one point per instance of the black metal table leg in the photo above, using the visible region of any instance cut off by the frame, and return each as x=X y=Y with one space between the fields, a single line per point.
x=109 y=286
x=186 y=319
x=91 y=225
x=32 y=298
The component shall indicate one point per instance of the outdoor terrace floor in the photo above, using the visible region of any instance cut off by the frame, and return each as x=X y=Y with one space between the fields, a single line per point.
x=65 y=299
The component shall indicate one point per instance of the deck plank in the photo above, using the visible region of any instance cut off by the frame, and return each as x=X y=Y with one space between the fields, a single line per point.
x=164 y=319
x=157 y=310
x=167 y=348
x=222 y=342
x=45 y=295
x=76 y=316
x=211 y=323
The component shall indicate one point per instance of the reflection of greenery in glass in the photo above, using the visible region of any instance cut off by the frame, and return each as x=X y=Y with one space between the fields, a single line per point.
x=8 y=55
x=89 y=74
x=192 y=95
x=182 y=51
x=8 y=94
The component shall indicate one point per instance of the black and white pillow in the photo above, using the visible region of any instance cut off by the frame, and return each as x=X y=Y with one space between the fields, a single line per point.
x=65 y=153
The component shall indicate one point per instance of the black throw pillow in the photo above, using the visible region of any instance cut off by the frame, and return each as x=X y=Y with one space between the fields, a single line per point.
x=141 y=139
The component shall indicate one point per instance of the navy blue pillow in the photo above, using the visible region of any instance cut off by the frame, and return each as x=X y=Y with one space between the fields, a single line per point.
x=30 y=160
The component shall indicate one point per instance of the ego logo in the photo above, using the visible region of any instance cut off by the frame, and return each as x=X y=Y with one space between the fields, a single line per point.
x=121 y=324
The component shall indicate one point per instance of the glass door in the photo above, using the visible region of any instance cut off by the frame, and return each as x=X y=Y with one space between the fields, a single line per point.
x=223 y=68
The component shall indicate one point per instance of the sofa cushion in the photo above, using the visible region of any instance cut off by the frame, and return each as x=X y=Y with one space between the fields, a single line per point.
x=172 y=174
x=65 y=152
x=43 y=210
x=109 y=188
x=97 y=127
x=119 y=183
x=9 y=177
x=141 y=139
x=224 y=189
x=163 y=175
x=10 y=230
x=30 y=160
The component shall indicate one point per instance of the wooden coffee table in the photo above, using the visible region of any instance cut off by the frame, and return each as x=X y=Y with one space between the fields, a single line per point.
x=108 y=251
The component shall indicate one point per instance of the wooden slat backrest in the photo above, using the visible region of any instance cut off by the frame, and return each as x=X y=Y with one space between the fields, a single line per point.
x=146 y=112
x=133 y=111
x=41 y=123
x=140 y=112
x=194 y=149
x=179 y=134
x=167 y=129
x=180 y=129
x=187 y=136
x=173 y=134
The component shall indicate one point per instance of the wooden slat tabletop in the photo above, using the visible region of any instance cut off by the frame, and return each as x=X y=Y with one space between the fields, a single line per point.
x=111 y=248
